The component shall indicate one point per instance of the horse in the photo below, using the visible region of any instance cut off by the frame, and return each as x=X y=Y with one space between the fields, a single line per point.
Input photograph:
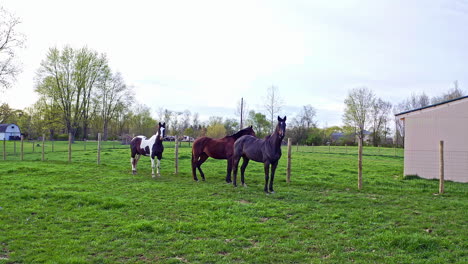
x=151 y=147
x=222 y=148
x=267 y=151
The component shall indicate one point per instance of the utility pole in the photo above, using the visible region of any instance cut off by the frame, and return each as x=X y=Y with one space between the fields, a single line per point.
x=242 y=113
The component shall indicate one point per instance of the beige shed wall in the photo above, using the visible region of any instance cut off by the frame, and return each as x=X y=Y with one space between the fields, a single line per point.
x=423 y=131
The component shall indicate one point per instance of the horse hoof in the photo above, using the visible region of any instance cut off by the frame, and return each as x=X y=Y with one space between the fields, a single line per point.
x=134 y=172
x=244 y=185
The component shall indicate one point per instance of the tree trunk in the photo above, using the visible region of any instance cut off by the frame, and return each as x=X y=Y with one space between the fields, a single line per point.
x=105 y=128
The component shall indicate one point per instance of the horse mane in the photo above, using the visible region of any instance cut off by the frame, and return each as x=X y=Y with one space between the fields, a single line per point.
x=240 y=133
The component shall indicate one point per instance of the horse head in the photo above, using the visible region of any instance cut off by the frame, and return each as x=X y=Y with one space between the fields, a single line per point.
x=281 y=127
x=249 y=131
x=161 y=130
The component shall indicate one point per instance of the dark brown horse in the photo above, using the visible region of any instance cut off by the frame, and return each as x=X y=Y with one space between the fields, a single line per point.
x=152 y=147
x=222 y=148
x=267 y=151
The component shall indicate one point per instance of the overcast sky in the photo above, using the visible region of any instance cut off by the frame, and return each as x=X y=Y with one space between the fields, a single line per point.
x=205 y=55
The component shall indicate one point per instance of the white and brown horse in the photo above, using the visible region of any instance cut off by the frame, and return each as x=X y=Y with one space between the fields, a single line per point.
x=151 y=147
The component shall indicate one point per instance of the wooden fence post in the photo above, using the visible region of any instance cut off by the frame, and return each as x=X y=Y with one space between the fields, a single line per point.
x=441 y=167
x=4 y=148
x=360 y=163
x=288 y=170
x=33 y=147
x=69 y=147
x=176 y=161
x=99 y=149
x=22 y=147
x=43 y=146
x=84 y=141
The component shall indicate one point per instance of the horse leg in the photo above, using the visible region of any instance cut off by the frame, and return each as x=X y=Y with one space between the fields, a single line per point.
x=235 y=165
x=229 y=169
x=134 y=161
x=203 y=158
x=245 y=162
x=152 y=167
x=266 y=167
x=273 y=169
x=194 y=166
x=158 y=167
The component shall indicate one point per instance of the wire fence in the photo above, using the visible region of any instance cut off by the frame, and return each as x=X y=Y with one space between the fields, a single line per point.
x=352 y=150
x=47 y=150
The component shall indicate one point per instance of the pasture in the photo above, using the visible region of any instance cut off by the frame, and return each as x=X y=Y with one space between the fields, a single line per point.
x=56 y=212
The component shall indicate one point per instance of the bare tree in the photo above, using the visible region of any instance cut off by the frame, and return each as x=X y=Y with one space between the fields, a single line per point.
x=379 y=117
x=451 y=94
x=307 y=116
x=112 y=94
x=10 y=42
x=273 y=105
x=358 y=107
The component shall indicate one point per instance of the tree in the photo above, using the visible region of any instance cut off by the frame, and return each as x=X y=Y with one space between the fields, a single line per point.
x=112 y=94
x=231 y=125
x=10 y=42
x=6 y=113
x=379 y=117
x=216 y=131
x=141 y=122
x=358 y=107
x=451 y=94
x=273 y=105
x=90 y=67
x=259 y=122
x=307 y=116
x=68 y=77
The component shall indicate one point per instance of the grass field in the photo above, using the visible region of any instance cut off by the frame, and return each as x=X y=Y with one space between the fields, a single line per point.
x=56 y=212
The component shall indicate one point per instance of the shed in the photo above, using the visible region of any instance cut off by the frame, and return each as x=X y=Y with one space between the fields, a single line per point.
x=9 y=132
x=425 y=127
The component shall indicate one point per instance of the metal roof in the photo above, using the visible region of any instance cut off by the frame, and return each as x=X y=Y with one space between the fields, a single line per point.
x=433 y=105
x=3 y=127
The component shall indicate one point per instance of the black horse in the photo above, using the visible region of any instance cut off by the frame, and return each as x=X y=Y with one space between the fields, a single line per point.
x=266 y=150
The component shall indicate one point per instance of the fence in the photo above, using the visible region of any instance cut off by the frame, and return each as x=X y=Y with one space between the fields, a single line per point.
x=352 y=150
x=98 y=152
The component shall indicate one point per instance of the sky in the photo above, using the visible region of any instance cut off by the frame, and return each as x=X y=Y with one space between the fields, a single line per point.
x=204 y=56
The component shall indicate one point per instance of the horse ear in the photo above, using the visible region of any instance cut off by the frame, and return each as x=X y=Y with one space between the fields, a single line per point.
x=164 y=124
x=159 y=123
x=284 y=118
x=279 y=119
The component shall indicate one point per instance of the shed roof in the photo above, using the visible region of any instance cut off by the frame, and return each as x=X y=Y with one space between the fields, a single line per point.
x=3 y=127
x=433 y=105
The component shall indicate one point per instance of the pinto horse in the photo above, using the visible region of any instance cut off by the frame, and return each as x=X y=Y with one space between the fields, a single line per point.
x=222 y=148
x=267 y=150
x=151 y=147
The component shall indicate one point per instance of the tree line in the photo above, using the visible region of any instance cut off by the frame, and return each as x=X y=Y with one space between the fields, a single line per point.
x=80 y=94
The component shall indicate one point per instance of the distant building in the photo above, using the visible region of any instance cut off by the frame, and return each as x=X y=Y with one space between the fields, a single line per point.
x=425 y=128
x=9 y=132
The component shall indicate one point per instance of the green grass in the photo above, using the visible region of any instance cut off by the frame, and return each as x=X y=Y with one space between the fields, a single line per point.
x=56 y=212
